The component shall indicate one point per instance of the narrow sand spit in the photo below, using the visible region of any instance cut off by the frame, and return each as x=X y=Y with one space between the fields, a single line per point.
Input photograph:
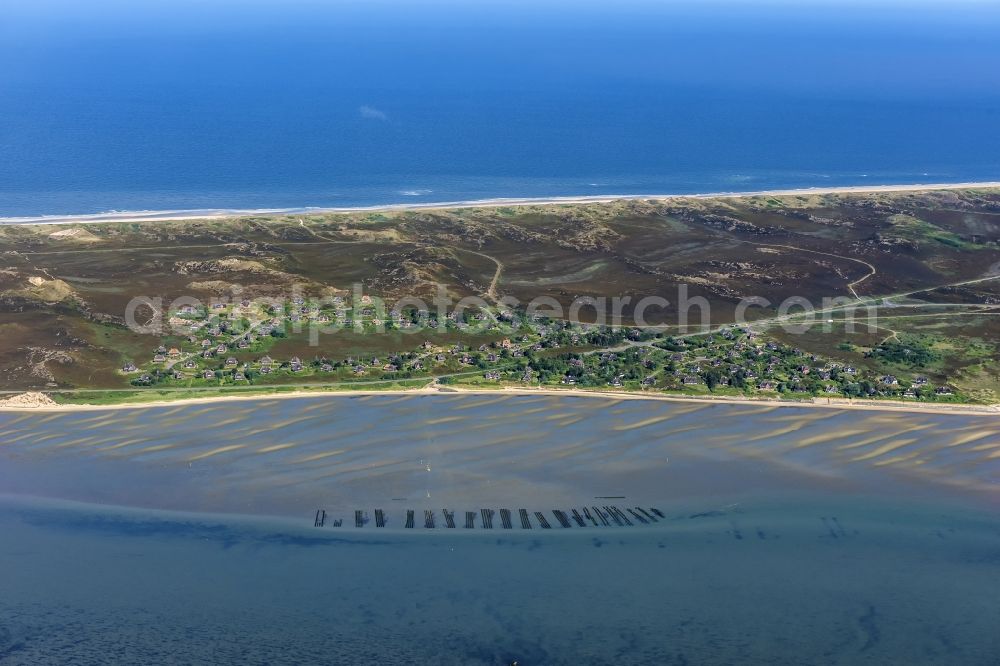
x=41 y=402
x=178 y=215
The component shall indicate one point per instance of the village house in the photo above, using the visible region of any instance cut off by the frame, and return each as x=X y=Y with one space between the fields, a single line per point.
x=129 y=367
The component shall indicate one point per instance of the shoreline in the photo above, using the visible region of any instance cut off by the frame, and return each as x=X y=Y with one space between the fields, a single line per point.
x=821 y=403
x=208 y=214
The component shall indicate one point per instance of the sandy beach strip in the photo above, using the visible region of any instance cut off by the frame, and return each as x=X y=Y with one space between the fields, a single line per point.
x=210 y=214
x=46 y=406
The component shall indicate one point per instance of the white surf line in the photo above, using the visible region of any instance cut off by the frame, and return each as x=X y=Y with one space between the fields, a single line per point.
x=216 y=213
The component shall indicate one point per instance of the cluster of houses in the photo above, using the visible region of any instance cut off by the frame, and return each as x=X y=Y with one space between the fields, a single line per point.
x=216 y=362
x=730 y=359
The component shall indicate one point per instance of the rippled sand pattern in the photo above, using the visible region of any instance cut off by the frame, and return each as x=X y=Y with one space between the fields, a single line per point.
x=790 y=535
x=278 y=454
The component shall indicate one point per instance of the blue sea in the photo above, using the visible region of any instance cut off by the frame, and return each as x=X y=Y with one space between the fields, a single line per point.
x=156 y=105
x=788 y=535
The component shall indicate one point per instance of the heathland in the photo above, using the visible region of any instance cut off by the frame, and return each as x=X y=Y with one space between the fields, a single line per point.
x=863 y=295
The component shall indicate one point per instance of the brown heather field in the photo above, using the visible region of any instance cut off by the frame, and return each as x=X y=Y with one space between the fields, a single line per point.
x=63 y=289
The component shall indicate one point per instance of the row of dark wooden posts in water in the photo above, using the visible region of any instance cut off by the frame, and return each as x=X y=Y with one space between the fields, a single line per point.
x=604 y=516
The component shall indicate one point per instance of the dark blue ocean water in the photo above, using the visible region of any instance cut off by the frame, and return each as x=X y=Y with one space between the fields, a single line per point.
x=184 y=105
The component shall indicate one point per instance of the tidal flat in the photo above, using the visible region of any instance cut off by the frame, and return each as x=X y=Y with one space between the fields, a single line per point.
x=185 y=534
